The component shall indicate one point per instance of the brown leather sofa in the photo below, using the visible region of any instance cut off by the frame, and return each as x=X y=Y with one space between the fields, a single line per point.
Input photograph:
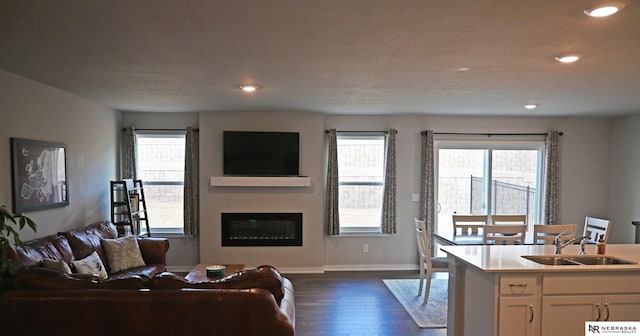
x=79 y=243
x=143 y=301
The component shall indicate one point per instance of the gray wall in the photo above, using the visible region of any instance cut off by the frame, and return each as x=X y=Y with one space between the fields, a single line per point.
x=624 y=172
x=32 y=110
x=308 y=201
x=584 y=155
x=599 y=172
x=584 y=152
x=183 y=252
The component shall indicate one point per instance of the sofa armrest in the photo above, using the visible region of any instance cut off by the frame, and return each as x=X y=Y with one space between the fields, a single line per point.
x=154 y=250
x=288 y=303
x=264 y=277
x=40 y=278
x=85 y=276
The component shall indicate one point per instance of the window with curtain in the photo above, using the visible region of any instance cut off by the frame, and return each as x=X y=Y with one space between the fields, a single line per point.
x=160 y=166
x=489 y=177
x=361 y=161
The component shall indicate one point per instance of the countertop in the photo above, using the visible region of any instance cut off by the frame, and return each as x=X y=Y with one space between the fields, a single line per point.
x=507 y=258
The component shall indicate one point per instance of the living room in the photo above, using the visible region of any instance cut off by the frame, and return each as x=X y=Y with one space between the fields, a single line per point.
x=598 y=172
x=79 y=74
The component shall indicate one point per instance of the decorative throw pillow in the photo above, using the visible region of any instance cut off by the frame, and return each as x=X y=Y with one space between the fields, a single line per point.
x=91 y=265
x=56 y=265
x=122 y=253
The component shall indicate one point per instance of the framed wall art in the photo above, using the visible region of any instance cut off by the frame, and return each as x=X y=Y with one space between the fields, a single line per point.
x=39 y=175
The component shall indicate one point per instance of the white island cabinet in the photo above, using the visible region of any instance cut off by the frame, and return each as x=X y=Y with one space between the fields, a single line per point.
x=494 y=291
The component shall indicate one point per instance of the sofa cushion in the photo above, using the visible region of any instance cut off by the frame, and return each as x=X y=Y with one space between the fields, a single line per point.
x=91 y=265
x=56 y=265
x=88 y=239
x=53 y=247
x=122 y=253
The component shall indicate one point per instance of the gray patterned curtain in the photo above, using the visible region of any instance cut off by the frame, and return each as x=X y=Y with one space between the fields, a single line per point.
x=551 y=195
x=427 y=189
x=389 y=196
x=332 y=220
x=129 y=153
x=191 y=187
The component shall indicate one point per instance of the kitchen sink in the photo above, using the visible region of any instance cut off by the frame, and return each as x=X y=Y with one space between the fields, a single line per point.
x=557 y=260
x=552 y=260
x=601 y=260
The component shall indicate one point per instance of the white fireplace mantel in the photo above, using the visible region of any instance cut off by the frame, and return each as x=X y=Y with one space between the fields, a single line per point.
x=260 y=181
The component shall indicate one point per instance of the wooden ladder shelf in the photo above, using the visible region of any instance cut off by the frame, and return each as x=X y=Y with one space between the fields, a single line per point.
x=129 y=208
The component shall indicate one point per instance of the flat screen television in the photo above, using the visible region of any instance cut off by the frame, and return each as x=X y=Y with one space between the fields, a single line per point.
x=261 y=153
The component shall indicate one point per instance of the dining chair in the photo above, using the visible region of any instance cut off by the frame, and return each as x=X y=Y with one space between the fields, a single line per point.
x=505 y=234
x=428 y=264
x=508 y=219
x=468 y=224
x=545 y=234
x=595 y=227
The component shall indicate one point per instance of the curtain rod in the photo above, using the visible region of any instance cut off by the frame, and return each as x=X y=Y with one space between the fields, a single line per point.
x=327 y=131
x=161 y=129
x=492 y=134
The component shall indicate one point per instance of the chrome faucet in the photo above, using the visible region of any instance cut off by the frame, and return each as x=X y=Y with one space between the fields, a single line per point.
x=559 y=246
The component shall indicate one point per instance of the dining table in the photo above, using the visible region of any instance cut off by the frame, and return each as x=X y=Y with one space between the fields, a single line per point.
x=450 y=238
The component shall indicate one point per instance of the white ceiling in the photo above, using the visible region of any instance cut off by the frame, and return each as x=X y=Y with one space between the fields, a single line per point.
x=331 y=56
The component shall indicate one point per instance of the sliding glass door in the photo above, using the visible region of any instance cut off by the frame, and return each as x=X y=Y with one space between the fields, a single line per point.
x=488 y=178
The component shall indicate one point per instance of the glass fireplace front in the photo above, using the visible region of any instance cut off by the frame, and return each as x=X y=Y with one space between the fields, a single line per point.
x=262 y=229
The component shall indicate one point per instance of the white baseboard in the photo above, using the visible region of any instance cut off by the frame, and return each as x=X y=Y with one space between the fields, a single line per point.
x=375 y=267
x=300 y=270
x=343 y=268
x=322 y=269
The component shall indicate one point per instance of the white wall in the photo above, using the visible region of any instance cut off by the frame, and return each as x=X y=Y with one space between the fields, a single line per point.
x=32 y=110
x=624 y=172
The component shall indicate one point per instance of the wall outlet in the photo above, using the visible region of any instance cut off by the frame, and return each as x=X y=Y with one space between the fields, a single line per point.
x=365 y=248
x=415 y=197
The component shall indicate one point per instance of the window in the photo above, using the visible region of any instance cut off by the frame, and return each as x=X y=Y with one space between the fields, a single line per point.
x=160 y=160
x=487 y=178
x=361 y=182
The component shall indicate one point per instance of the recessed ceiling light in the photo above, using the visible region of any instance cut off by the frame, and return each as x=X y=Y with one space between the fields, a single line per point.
x=463 y=69
x=605 y=9
x=567 y=58
x=249 y=88
x=531 y=106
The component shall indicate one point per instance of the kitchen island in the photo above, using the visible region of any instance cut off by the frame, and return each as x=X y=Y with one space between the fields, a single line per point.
x=493 y=290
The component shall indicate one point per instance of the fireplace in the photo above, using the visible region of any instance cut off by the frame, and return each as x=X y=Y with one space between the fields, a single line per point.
x=262 y=229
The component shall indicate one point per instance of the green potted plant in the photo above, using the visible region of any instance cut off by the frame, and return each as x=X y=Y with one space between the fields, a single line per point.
x=9 y=234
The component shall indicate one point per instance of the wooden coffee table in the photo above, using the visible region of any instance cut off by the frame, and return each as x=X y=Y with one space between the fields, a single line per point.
x=199 y=273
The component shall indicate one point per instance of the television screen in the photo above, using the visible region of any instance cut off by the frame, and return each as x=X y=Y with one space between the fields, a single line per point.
x=261 y=153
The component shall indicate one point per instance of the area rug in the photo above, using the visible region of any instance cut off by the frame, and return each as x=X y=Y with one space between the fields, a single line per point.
x=431 y=315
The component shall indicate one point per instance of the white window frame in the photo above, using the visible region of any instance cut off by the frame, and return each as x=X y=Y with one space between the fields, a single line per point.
x=533 y=142
x=362 y=230
x=165 y=231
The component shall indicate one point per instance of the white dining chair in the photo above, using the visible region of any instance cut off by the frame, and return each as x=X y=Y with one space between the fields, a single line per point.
x=504 y=234
x=468 y=224
x=428 y=264
x=508 y=219
x=544 y=234
x=595 y=227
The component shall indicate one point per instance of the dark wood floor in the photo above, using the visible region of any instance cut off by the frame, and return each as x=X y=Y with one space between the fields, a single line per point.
x=352 y=303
